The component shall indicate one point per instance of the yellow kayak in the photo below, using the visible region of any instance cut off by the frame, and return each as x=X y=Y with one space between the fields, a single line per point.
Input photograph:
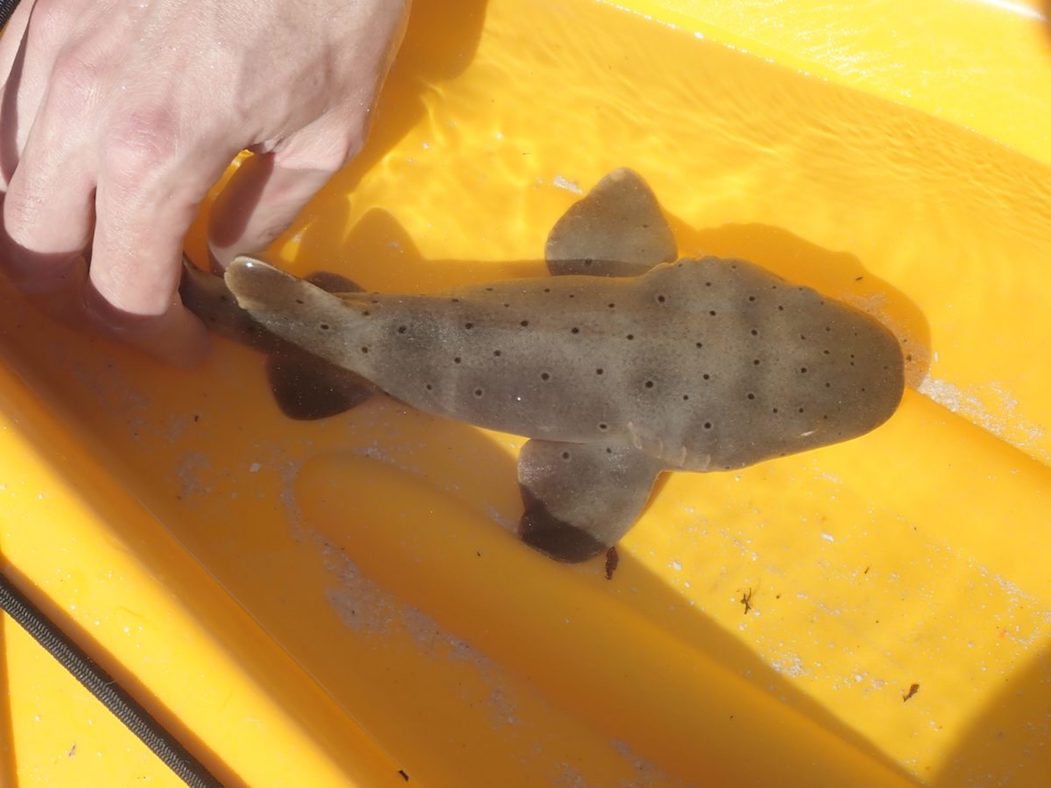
x=344 y=602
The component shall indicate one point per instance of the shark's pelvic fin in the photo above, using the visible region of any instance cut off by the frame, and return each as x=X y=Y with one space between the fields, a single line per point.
x=580 y=499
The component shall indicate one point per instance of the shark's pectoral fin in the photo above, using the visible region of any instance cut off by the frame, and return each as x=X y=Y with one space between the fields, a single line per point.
x=307 y=387
x=580 y=499
x=616 y=230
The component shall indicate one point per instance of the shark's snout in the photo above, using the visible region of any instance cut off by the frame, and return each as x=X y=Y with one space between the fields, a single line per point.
x=880 y=378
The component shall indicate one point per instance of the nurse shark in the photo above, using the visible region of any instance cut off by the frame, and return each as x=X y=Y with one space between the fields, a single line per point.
x=625 y=363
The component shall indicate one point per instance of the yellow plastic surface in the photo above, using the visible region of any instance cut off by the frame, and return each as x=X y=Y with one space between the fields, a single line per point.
x=329 y=603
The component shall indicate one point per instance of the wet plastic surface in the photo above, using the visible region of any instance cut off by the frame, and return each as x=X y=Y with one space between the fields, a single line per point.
x=334 y=602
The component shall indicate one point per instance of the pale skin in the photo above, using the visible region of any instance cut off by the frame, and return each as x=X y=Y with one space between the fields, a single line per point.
x=117 y=117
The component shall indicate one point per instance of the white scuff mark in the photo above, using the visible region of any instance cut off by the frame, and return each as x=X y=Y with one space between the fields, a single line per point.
x=828 y=537
x=790 y=665
x=565 y=183
x=190 y=473
x=676 y=565
x=1008 y=426
x=254 y=467
x=1021 y=9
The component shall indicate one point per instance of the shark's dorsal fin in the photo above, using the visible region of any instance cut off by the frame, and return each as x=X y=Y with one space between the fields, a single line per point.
x=581 y=498
x=616 y=230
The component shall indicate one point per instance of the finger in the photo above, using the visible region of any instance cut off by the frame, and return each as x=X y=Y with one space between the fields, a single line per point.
x=48 y=211
x=152 y=180
x=28 y=50
x=268 y=191
x=152 y=177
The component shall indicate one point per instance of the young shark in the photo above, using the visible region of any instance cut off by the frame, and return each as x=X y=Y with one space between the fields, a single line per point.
x=626 y=363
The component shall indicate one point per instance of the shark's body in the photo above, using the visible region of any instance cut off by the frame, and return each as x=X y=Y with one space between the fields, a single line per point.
x=697 y=364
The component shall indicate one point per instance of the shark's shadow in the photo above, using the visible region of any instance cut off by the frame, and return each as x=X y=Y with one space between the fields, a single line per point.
x=379 y=255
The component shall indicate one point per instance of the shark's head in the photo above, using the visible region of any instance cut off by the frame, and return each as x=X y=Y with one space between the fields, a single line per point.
x=819 y=372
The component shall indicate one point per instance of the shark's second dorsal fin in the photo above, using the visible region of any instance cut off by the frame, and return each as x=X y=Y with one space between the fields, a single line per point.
x=616 y=230
x=581 y=498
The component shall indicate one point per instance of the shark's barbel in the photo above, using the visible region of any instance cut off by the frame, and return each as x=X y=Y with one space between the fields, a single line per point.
x=693 y=364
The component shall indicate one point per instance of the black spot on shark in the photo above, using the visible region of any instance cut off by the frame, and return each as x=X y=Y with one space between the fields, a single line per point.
x=624 y=364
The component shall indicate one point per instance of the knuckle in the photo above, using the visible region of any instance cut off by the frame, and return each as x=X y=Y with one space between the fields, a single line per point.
x=75 y=83
x=324 y=147
x=138 y=144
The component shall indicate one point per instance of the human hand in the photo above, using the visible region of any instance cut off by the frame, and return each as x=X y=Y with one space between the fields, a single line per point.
x=117 y=116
